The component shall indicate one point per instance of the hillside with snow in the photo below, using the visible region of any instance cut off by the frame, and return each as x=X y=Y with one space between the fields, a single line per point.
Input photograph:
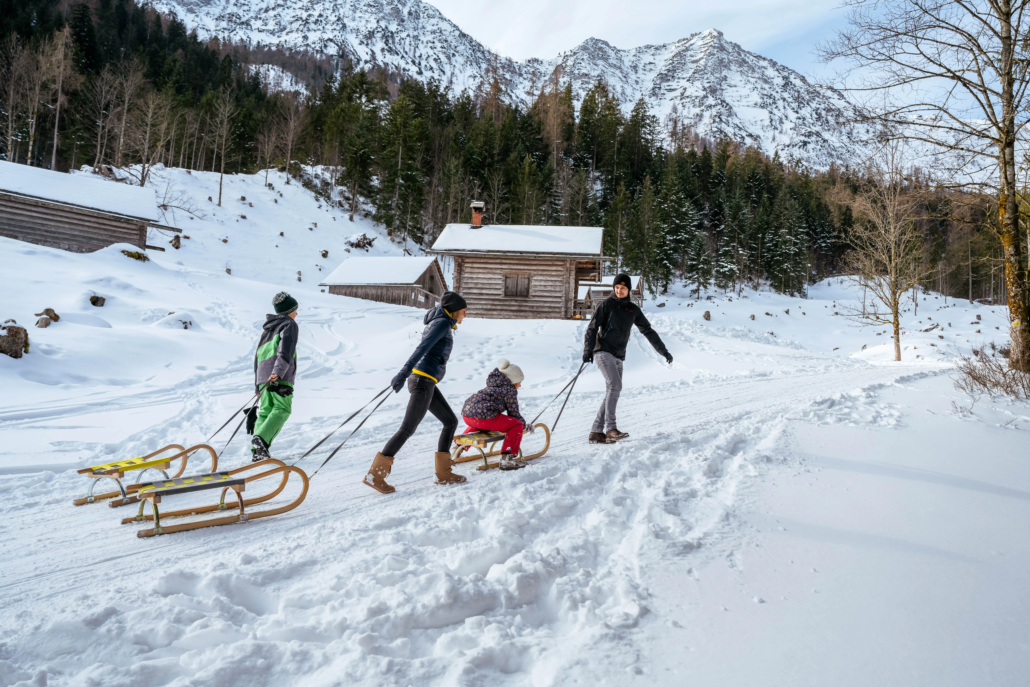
x=792 y=506
x=716 y=86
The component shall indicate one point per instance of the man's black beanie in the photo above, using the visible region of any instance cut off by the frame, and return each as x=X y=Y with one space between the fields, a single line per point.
x=622 y=278
x=452 y=302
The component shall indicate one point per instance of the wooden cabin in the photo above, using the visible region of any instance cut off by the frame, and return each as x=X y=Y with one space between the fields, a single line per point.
x=74 y=212
x=520 y=271
x=417 y=282
x=591 y=294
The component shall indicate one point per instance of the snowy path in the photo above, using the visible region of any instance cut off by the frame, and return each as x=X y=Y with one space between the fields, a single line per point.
x=429 y=584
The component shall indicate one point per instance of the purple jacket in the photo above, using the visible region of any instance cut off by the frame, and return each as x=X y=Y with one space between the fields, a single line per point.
x=500 y=395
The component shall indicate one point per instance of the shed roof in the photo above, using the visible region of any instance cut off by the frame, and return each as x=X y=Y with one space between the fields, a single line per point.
x=79 y=189
x=379 y=271
x=520 y=238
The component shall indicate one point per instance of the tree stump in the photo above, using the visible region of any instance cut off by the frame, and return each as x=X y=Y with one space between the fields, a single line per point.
x=97 y=301
x=176 y=243
x=14 y=340
x=49 y=312
x=43 y=322
x=707 y=315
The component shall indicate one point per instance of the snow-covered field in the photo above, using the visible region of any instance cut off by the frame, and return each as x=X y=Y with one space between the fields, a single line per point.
x=790 y=509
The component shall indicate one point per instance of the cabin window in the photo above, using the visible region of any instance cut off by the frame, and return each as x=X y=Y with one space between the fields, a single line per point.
x=516 y=284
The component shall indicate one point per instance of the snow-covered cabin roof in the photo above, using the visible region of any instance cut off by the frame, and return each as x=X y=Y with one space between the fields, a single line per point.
x=79 y=189
x=519 y=238
x=379 y=270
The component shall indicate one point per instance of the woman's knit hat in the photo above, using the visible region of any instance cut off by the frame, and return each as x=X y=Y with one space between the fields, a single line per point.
x=284 y=303
x=452 y=302
x=512 y=372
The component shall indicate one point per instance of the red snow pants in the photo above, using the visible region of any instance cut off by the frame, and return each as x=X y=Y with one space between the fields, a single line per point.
x=511 y=427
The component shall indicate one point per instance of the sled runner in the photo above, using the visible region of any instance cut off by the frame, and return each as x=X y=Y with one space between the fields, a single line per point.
x=485 y=442
x=154 y=461
x=228 y=480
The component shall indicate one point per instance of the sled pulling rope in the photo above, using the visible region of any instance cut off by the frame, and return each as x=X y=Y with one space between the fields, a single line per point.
x=153 y=461
x=485 y=441
x=384 y=393
x=229 y=480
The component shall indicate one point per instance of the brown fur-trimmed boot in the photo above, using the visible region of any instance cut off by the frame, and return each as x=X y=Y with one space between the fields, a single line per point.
x=377 y=474
x=444 y=474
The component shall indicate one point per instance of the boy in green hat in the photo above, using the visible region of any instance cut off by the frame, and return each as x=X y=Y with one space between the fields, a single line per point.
x=276 y=365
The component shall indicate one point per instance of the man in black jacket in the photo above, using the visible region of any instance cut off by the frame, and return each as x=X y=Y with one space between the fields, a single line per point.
x=605 y=344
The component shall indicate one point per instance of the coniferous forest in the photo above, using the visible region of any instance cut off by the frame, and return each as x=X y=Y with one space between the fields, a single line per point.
x=114 y=83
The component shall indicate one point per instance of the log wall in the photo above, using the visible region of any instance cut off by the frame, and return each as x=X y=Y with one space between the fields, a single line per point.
x=552 y=289
x=65 y=227
x=413 y=296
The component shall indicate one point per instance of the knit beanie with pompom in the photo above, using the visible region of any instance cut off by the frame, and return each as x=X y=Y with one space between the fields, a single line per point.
x=512 y=372
x=284 y=303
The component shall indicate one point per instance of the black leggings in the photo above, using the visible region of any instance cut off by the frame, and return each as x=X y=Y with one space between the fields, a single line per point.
x=424 y=396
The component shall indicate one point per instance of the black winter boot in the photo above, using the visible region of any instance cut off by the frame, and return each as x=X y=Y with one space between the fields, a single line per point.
x=259 y=449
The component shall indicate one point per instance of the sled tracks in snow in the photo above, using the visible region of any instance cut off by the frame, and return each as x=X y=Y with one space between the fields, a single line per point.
x=235 y=481
x=485 y=443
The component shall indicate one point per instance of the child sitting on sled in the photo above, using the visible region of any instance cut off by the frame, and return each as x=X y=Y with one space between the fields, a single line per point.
x=485 y=408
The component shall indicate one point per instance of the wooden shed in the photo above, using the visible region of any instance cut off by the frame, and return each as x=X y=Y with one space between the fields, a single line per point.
x=521 y=271
x=418 y=282
x=592 y=293
x=74 y=212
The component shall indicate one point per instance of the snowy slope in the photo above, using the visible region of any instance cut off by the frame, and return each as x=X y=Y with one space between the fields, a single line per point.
x=717 y=87
x=790 y=509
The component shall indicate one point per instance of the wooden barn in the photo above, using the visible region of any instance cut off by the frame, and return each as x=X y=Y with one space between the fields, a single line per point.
x=520 y=271
x=74 y=212
x=417 y=282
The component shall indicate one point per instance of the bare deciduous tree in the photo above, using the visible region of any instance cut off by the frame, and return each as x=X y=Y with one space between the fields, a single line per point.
x=954 y=74
x=130 y=81
x=291 y=121
x=36 y=75
x=267 y=145
x=101 y=91
x=12 y=82
x=222 y=122
x=886 y=245
x=147 y=132
x=62 y=78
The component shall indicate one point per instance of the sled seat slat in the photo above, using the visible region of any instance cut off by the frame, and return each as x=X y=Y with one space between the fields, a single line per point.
x=184 y=485
x=480 y=438
x=124 y=466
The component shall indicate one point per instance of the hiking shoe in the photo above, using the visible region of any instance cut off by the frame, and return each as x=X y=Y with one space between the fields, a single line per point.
x=598 y=438
x=510 y=461
x=259 y=450
x=613 y=435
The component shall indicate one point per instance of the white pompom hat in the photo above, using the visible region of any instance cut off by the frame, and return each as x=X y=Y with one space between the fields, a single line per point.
x=512 y=372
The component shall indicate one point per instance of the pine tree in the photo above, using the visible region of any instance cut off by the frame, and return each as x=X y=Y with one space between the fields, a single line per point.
x=726 y=266
x=698 y=270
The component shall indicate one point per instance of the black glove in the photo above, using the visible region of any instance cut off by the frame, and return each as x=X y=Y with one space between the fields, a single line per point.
x=588 y=357
x=398 y=382
x=668 y=357
x=283 y=390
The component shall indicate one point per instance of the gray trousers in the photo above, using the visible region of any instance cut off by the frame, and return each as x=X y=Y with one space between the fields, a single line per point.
x=611 y=368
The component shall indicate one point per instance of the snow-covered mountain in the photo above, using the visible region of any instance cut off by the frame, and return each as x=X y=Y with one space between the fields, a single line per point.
x=715 y=85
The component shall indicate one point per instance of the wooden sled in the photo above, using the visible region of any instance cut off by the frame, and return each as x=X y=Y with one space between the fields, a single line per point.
x=485 y=442
x=229 y=480
x=154 y=461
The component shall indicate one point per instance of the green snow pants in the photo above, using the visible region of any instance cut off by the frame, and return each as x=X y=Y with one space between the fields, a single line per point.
x=273 y=413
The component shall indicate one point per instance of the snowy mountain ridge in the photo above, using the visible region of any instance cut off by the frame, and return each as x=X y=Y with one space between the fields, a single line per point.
x=716 y=86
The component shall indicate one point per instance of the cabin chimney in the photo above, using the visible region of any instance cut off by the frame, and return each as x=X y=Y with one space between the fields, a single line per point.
x=477 y=213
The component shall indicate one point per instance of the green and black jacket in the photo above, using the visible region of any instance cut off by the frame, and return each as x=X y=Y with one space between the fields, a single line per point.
x=277 y=351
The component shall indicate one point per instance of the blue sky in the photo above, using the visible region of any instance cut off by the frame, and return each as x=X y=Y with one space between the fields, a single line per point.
x=785 y=30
